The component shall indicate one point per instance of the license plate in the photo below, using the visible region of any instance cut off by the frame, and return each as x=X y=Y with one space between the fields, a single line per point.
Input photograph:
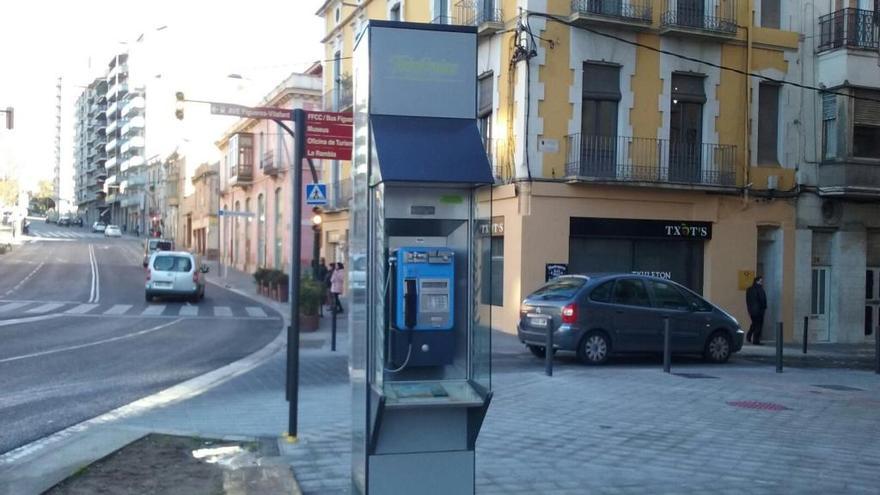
x=162 y=284
x=539 y=321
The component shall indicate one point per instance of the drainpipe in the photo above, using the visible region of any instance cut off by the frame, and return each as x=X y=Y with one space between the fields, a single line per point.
x=747 y=152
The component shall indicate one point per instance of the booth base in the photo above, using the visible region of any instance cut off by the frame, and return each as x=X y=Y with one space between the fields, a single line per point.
x=428 y=473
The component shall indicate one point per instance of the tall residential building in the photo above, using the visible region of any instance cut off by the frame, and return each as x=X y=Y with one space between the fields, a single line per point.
x=125 y=146
x=90 y=138
x=625 y=137
x=838 y=219
x=56 y=171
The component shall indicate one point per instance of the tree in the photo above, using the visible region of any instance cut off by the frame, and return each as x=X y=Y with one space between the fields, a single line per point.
x=8 y=192
x=45 y=189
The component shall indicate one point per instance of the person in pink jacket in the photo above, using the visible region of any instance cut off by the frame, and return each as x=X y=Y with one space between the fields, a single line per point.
x=336 y=282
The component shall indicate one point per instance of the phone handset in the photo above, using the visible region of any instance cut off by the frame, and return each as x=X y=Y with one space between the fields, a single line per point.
x=410 y=305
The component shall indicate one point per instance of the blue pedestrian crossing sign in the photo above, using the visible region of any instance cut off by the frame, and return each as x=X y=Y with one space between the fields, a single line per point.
x=316 y=194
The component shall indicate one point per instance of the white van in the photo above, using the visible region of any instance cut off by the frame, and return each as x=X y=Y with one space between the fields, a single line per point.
x=175 y=274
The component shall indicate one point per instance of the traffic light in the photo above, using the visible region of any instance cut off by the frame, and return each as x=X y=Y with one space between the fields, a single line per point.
x=317 y=218
x=10 y=117
x=178 y=112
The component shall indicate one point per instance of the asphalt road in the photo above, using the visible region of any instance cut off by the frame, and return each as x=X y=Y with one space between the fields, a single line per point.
x=74 y=345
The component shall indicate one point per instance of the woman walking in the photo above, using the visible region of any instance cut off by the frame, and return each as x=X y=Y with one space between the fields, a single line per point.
x=337 y=279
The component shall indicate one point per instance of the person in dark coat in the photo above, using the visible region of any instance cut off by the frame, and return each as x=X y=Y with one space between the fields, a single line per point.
x=756 y=302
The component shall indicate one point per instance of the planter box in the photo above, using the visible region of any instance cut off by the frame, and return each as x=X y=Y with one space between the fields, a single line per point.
x=281 y=293
x=308 y=323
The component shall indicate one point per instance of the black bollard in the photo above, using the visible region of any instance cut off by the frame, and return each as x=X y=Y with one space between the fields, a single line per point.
x=548 y=349
x=806 y=326
x=877 y=350
x=333 y=330
x=779 y=347
x=667 y=352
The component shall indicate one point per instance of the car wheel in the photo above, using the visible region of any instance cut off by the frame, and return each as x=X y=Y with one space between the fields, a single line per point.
x=148 y=297
x=538 y=351
x=594 y=348
x=718 y=348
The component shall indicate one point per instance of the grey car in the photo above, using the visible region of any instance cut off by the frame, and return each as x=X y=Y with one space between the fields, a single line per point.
x=597 y=315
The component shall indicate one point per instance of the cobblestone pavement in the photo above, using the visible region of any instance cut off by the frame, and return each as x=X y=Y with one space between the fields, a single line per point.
x=621 y=428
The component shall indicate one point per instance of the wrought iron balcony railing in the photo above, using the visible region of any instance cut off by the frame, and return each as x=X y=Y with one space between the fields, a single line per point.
x=638 y=11
x=710 y=16
x=628 y=159
x=341 y=96
x=339 y=195
x=849 y=28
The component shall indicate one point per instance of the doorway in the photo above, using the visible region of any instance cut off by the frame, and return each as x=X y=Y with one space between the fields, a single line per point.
x=818 y=327
x=686 y=128
x=770 y=267
x=872 y=302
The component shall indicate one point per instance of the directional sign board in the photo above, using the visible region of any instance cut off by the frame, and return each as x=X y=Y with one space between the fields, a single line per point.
x=228 y=213
x=329 y=135
x=316 y=194
x=251 y=112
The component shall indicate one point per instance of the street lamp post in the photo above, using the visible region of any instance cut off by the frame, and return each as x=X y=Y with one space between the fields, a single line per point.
x=317 y=221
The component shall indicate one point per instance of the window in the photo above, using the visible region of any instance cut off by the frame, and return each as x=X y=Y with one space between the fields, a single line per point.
x=337 y=14
x=441 y=12
x=768 y=124
x=560 y=288
x=172 y=264
x=686 y=128
x=866 y=124
x=394 y=12
x=236 y=229
x=667 y=296
x=261 y=230
x=497 y=255
x=770 y=13
x=601 y=94
x=247 y=232
x=484 y=111
x=602 y=293
x=631 y=292
x=829 y=126
x=279 y=229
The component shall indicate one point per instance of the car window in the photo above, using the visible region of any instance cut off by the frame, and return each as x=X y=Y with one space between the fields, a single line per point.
x=163 y=246
x=172 y=264
x=667 y=296
x=602 y=293
x=561 y=288
x=631 y=291
x=696 y=301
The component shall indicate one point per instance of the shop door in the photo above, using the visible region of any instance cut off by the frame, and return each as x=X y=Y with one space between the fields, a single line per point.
x=818 y=321
x=872 y=302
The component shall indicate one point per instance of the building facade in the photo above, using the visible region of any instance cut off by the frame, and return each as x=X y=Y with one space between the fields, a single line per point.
x=255 y=183
x=199 y=214
x=90 y=139
x=625 y=137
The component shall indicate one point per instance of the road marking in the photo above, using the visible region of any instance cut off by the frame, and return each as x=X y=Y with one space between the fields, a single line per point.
x=95 y=290
x=90 y=344
x=188 y=311
x=31 y=274
x=222 y=311
x=118 y=309
x=45 y=308
x=153 y=310
x=11 y=306
x=28 y=319
x=81 y=309
x=255 y=311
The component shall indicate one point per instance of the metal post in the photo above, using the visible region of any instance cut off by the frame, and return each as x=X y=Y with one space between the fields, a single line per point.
x=667 y=351
x=806 y=326
x=548 y=349
x=333 y=328
x=779 y=347
x=877 y=350
x=299 y=120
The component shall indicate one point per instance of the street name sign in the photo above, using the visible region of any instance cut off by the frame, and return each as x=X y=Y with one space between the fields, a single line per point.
x=230 y=213
x=251 y=112
x=329 y=135
x=316 y=194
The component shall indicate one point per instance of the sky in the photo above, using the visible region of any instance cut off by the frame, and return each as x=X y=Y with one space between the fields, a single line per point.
x=187 y=45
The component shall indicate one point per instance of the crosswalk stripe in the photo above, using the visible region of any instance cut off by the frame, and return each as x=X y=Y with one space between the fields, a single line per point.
x=188 y=311
x=153 y=310
x=81 y=309
x=45 y=308
x=11 y=306
x=222 y=311
x=118 y=309
x=255 y=311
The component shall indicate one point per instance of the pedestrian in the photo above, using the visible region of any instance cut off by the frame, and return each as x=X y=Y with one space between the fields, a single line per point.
x=756 y=303
x=336 y=282
x=328 y=281
x=137 y=230
x=321 y=277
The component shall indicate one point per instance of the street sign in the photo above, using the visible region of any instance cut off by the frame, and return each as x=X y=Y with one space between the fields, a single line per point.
x=329 y=135
x=316 y=194
x=228 y=213
x=251 y=112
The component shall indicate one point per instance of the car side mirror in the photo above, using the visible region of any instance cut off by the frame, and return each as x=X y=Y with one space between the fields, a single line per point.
x=205 y=269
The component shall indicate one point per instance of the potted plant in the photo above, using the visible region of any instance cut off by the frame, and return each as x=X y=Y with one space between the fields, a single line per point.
x=310 y=295
x=261 y=279
x=278 y=284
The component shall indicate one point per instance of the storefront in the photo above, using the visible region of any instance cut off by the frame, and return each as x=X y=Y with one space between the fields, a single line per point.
x=669 y=249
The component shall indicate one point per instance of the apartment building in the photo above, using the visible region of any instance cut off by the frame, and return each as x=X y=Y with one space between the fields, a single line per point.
x=90 y=139
x=838 y=216
x=255 y=186
x=625 y=137
x=199 y=224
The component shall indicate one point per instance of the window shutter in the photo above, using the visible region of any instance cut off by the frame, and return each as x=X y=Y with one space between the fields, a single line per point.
x=484 y=95
x=829 y=106
x=688 y=87
x=601 y=81
x=866 y=112
x=768 y=123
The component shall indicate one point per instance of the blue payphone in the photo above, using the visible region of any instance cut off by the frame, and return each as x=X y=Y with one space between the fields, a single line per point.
x=421 y=334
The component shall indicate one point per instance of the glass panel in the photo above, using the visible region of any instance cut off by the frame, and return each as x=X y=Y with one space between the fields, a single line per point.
x=822 y=290
x=602 y=293
x=631 y=292
x=770 y=13
x=560 y=288
x=869 y=320
x=666 y=296
x=768 y=123
x=869 y=284
x=485 y=248
x=814 y=296
x=866 y=141
x=497 y=272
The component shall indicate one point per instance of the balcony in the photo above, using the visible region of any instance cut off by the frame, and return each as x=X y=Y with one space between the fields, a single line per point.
x=482 y=14
x=111 y=110
x=340 y=97
x=649 y=161
x=701 y=18
x=849 y=28
x=135 y=161
x=135 y=105
x=110 y=147
x=856 y=179
x=267 y=163
x=242 y=175
x=134 y=123
x=110 y=163
x=339 y=195
x=132 y=145
x=633 y=14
